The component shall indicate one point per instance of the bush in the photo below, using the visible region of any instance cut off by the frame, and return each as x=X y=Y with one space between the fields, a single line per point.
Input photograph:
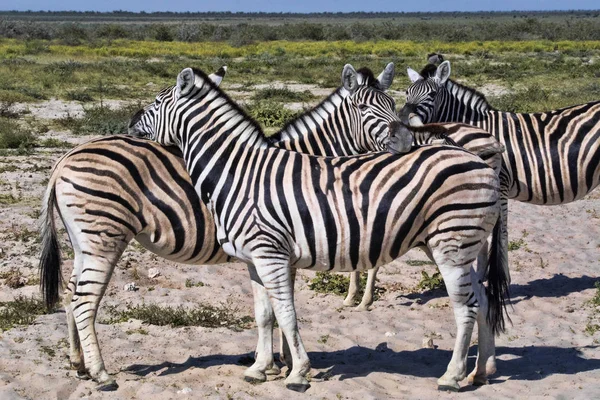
x=20 y=311
x=100 y=119
x=270 y=114
x=282 y=95
x=12 y=136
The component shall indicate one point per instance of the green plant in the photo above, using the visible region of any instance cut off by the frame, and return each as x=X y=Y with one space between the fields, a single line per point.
x=12 y=136
x=21 y=311
x=419 y=263
x=55 y=143
x=282 y=95
x=516 y=244
x=270 y=114
x=190 y=283
x=100 y=119
x=205 y=315
x=326 y=282
x=432 y=282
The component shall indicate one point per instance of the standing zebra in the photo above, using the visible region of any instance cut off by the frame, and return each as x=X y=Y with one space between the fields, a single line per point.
x=551 y=157
x=169 y=219
x=278 y=210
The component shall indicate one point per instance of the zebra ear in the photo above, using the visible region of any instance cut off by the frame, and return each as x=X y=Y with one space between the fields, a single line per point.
x=349 y=78
x=185 y=82
x=413 y=75
x=217 y=77
x=386 y=77
x=442 y=73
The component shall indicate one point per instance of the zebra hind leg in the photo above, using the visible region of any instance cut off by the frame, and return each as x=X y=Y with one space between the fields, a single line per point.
x=369 y=293
x=276 y=277
x=75 y=354
x=91 y=285
x=465 y=302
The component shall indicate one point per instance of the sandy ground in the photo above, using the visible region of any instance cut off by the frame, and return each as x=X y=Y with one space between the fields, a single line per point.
x=379 y=354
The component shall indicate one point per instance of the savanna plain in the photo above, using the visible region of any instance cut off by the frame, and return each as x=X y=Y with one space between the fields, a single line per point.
x=188 y=332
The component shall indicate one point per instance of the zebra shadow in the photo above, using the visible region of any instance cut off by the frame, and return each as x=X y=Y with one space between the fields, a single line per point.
x=522 y=363
x=556 y=286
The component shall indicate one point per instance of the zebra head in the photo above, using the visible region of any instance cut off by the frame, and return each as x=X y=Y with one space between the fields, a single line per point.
x=425 y=97
x=368 y=106
x=146 y=123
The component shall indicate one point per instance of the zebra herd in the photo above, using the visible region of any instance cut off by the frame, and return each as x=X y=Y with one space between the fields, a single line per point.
x=348 y=186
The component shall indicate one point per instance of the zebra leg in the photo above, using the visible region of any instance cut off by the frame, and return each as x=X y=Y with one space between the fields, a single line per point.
x=285 y=356
x=265 y=317
x=352 y=289
x=486 y=346
x=367 y=298
x=276 y=278
x=75 y=354
x=90 y=288
x=466 y=307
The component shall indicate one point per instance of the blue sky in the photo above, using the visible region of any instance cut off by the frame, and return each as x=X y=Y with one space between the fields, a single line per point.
x=298 y=6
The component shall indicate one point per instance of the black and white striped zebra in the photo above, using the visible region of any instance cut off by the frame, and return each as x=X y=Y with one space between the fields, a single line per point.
x=551 y=157
x=280 y=210
x=169 y=219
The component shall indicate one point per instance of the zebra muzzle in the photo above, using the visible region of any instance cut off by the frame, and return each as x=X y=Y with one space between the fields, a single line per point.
x=401 y=138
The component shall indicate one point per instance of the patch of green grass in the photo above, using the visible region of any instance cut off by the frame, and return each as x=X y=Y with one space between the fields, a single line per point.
x=8 y=198
x=190 y=283
x=419 y=263
x=13 y=136
x=49 y=351
x=270 y=114
x=55 y=143
x=204 y=315
x=79 y=95
x=323 y=339
x=21 y=311
x=326 y=282
x=141 y=331
x=100 y=119
x=283 y=95
x=13 y=278
x=516 y=244
x=432 y=282
x=592 y=325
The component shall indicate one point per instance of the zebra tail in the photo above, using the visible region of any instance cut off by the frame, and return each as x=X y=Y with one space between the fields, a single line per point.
x=498 y=283
x=50 y=260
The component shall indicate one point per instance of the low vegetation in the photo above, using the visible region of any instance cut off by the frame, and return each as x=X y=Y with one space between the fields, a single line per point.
x=593 y=324
x=205 y=315
x=431 y=282
x=100 y=120
x=21 y=311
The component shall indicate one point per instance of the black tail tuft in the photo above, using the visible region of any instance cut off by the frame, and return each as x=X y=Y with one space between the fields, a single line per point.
x=50 y=260
x=498 y=281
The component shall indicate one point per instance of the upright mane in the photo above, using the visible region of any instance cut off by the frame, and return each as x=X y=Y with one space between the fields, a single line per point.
x=232 y=104
x=429 y=71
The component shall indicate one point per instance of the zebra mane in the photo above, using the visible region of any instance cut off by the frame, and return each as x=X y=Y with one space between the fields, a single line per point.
x=368 y=78
x=429 y=70
x=232 y=104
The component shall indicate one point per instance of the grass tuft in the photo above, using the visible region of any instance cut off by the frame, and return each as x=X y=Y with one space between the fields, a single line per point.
x=204 y=315
x=21 y=311
x=282 y=95
x=100 y=119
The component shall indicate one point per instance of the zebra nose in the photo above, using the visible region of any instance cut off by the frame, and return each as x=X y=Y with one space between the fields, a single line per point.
x=401 y=138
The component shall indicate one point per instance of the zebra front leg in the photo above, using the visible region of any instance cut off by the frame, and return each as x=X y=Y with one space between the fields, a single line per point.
x=352 y=289
x=285 y=356
x=466 y=307
x=263 y=312
x=368 y=296
x=90 y=288
x=276 y=278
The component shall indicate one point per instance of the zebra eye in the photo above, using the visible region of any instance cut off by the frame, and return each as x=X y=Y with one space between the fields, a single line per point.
x=363 y=107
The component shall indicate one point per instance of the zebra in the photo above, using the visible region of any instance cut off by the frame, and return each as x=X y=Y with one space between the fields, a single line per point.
x=370 y=209
x=473 y=139
x=551 y=157
x=170 y=220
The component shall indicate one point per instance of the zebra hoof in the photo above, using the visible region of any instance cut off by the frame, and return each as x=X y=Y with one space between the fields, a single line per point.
x=477 y=380
x=83 y=375
x=108 y=386
x=298 y=387
x=254 y=376
x=274 y=370
x=449 y=388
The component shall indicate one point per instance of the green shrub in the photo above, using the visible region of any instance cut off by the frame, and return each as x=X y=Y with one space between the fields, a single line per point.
x=270 y=114
x=100 y=119
x=282 y=95
x=205 y=315
x=432 y=282
x=20 y=311
x=326 y=282
x=78 y=95
x=12 y=136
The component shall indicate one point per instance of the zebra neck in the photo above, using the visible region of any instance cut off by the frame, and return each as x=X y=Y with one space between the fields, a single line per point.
x=317 y=131
x=465 y=105
x=214 y=139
